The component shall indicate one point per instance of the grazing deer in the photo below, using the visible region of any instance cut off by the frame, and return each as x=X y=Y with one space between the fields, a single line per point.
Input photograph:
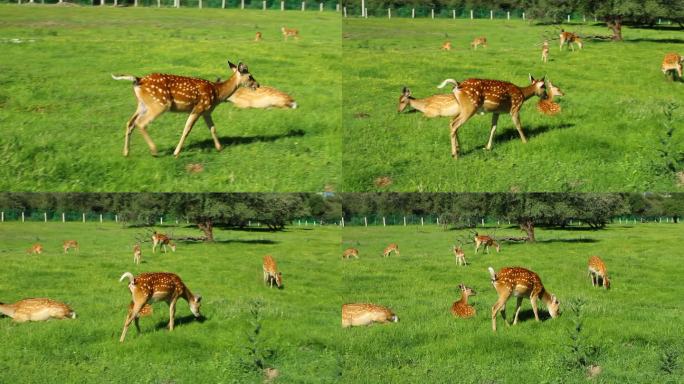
x=287 y=32
x=150 y=287
x=460 y=255
x=441 y=105
x=158 y=93
x=446 y=46
x=597 y=269
x=545 y=52
x=672 y=62
x=349 y=253
x=271 y=274
x=262 y=97
x=137 y=253
x=479 y=41
x=497 y=97
x=37 y=310
x=569 y=38
x=366 y=314
x=487 y=241
x=461 y=308
x=520 y=283
x=389 y=249
x=70 y=244
x=546 y=105
x=257 y=37
x=36 y=249
x=163 y=240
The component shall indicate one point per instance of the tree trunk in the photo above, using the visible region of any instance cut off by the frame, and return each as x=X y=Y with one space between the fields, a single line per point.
x=208 y=228
x=615 y=24
x=528 y=227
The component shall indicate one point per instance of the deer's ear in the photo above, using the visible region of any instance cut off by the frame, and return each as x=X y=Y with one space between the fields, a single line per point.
x=232 y=66
x=198 y=298
x=531 y=78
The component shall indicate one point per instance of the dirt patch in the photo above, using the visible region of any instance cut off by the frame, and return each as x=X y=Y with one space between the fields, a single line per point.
x=194 y=168
x=383 y=181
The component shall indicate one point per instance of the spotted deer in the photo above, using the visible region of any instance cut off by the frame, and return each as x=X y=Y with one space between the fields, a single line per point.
x=37 y=310
x=672 y=62
x=597 y=269
x=479 y=41
x=446 y=46
x=460 y=255
x=494 y=96
x=287 y=32
x=570 y=38
x=68 y=244
x=262 y=97
x=271 y=274
x=257 y=37
x=350 y=252
x=365 y=314
x=163 y=240
x=461 y=308
x=158 y=93
x=546 y=105
x=393 y=247
x=487 y=241
x=520 y=283
x=440 y=105
x=36 y=249
x=137 y=253
x=157 y=286
x=545 y=52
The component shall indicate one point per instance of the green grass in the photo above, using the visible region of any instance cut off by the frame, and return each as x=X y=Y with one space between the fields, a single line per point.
x=300 y=323
x=633 y=324
x=607 y=138
x=64 y=116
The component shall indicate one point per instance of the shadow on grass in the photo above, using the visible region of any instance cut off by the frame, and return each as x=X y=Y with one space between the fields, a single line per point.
x=587 y=241
x=528 y=314
x=180 y=321
x=512 y=134
x=229 y=141
x=650 y=40
x=254 y=241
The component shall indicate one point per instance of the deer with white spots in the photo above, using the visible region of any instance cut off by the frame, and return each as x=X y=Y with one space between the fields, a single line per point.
x=487 y=241
x=597 y=270
x=494 y=96
x=440 y=105
x=461 y=308
x=271 y=274
x=158 y=93
x=159 y=286
x=36 y=249
x=37 y=310
x=546 y=105
x=349 y=253
x=545 y=51
x=137 y=253
x=570 y=38
x=257 y=37
x=287 y=32
x=446 y=46
x=460 y=255
x=365 y=314
x=479 y=41
x=262 y=97
x=163 y=240
x=672 y=62
x=393 y=247
x=67 y=244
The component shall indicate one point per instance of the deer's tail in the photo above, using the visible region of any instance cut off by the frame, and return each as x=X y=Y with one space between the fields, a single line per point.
x=448 y=81
x=125 y=275
x=492 y=273
x=126 y=77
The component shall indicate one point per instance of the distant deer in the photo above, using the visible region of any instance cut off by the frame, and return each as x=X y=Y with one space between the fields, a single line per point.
x=393 y=247
x=446 y=46
x=158 y=93
x=67 y=244
x=365 y=314
x=597 y=269
x=262 y=97
x=37 y=310
x=546 y=105
x=545 y=51
x=350 y=252
x=271 y=274
x=570 y=38
x=287 y=32
x=487 y=241
x=497 y=97
x=150 y=287
x=520 y=283
x=460 y=255
x=137 y=253
x=672 y=62
x=163 y=240
x=440 y=105
x=257 y=37
x=461 y=308
x=479 y=41
x=36 y=249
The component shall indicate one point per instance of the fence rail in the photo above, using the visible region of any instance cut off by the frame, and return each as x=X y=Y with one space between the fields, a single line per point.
x=425 y=220
x=327 y=5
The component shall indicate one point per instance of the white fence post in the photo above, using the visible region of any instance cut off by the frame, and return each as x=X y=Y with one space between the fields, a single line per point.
x=365 y=221
x=413 y=13
x=135 y=3
x=337 y=7
x=263 y=5
x=242 y=4
x=223 y=4
x=471 y=14
x=342 y=221
x=63 y=218
x=116 y=219
x=161 y=220
x=344 y=10
x=404 y=221
x=568 y=18
x=22 y=216
x=438 y=221
x=508 y=15
x=282 y=5
x=491 y=15
x=432 y=12
x=584 y=18
x=389 y=13
x=83 y=215
x=383 y=221
x=303 y=5
x=523 y=15
x=158 y=3
x=365 y=12
x=100 y=218
x=102 y=3
x=2 y=217
x=453 y=14
x=45 y=217
x=421 y=221
x=483 y=222
x=200 y=4
x=320 y=7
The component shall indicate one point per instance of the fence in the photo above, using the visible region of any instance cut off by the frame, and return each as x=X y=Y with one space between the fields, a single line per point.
x=242 y=4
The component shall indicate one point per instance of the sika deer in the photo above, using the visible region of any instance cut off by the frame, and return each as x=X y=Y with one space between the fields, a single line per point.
x=160 y=238
x=150 y=287
x=546 y=105
x=36 y=249
x=597 y=269
x=365 y=314
x=158 y=93
x=479 y=41
x=349 y=253
x=287 y=32
x=569 y=38
x=441 y=105
x=67 y=244
x=446 y=46
x=137 y=253
x=37 y=310
x=257 y=37
x=545 y=52
x=389 y=249
x=497 y=97
x=262 y=97
x=460 y=256
x=672 y=62
x=487 y=241
x=271 y=274
x=461 y=308
x=520 y=283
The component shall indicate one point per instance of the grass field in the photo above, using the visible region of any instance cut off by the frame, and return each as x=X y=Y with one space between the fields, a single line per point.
x=64 y=116
x=607 y=137
x=631 y=326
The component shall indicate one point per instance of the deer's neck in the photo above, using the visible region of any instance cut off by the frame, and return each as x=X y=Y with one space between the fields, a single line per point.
x=546 y=298
x=464 y=299
x=7 y=309
x=187 y=295
x=418 y=104
x=227 y=88
x=528 y=91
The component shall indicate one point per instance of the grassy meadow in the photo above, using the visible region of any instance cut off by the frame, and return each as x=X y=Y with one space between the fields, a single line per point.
x=630 y=327
x=610 y=135
x=64 y=116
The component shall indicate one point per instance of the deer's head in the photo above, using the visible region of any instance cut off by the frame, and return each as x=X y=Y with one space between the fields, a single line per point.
x=195 y=304
x=467 y=290
x=279 y=279
x=404 y=99
x=552 y=90
x=553 y=306
x=244 y=78
x=539 y=85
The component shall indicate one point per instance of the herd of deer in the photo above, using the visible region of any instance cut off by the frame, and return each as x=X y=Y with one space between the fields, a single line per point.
x=509 y=281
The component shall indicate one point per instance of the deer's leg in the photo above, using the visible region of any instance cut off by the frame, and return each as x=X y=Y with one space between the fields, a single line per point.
x=142 y=121
x=164 y=247
x=516 y=120
x=172 y=313
x=500 y=305
x=517 y=309
x=212 y=129
x=188 y=127
x=533 y=301
x=127 y=133
x=137 y=306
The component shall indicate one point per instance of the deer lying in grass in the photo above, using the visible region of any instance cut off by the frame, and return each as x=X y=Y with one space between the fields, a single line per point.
x=257 y=37
x=67 y=244
x=446 y=46
x=497 y=97
x=545 y=52
x=487 y=241
x=37 y=310
x=479 y=41
x=158 y=93
x=460 y=255
x=520 y=283
x=570 y=38
x=349 y=253
x=461 y=308
x=672 y=62
x=137 y=253
x=366 y=314
x=597 y=269
x=441 y=105
x=262 y=97
x=393 y=247
x=546 y=105
x=287 y=32
x=163 y=240
x=150 y=287
x=36 y=249
x=271 y=274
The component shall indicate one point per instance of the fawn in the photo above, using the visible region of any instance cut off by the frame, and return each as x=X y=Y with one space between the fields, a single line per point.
x=365 y=314
x=67 y=244
x=349 y=253
x=460 y=256
x=37 y=310
x=546 y=105
x=393 y=247
x=257 y=37
x=487 y=241
x=597 y=269
x=287 y=32
x=262 y=97
x=461 y=308
x=440 y=105
x=163 y=240
x=446 y=46
x=137 y=253
x=672 y=62
x=569 y=38
x=36 y=249
x=479 y=41
x=271 y=274
x=545 y=51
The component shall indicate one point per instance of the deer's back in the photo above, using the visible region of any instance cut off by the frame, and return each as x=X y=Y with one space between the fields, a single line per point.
x=520 y=281
x=180 y=93
x=597 y=265
x=270 y=264
x=671 y=60
x=159 y=282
